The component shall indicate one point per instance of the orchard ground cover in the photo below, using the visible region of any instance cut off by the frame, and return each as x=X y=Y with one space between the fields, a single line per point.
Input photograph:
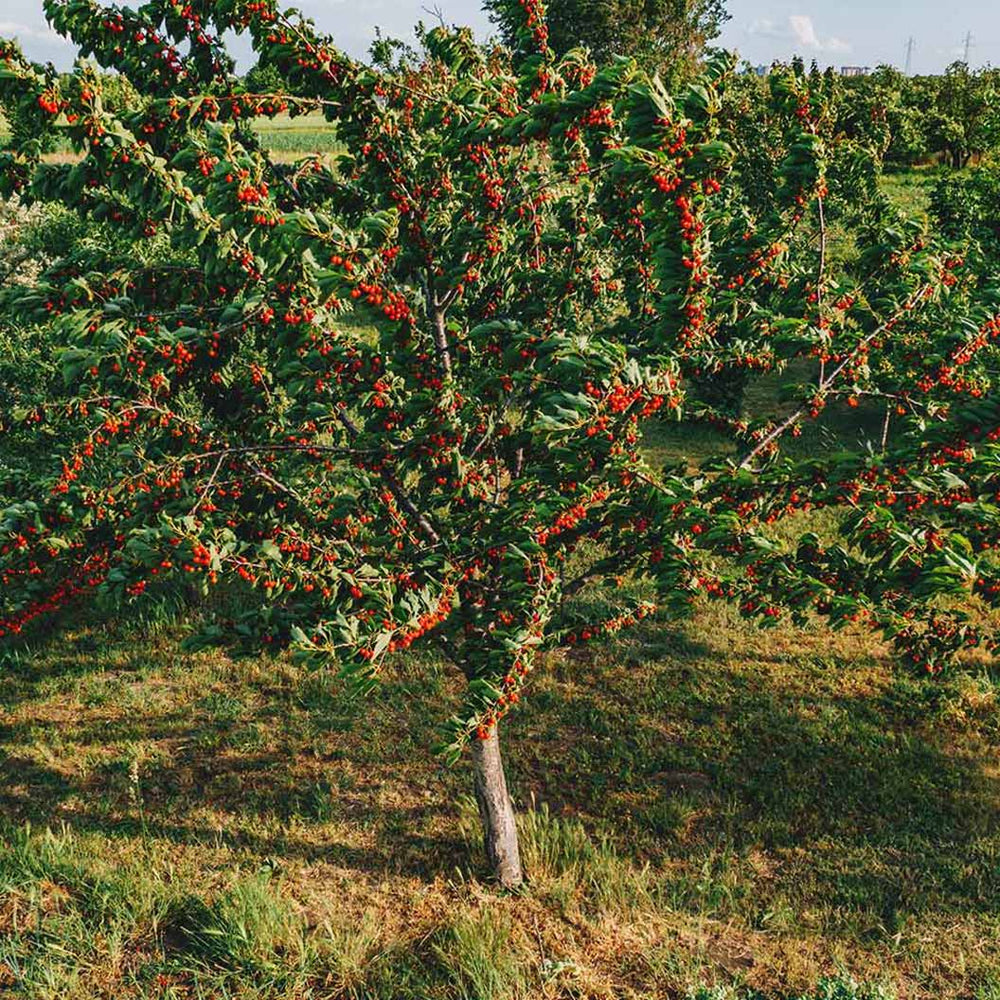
x=285 y=138
x=911 y=189
x=718 y=807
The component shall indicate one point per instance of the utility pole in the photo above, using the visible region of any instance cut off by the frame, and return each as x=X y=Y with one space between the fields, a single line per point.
x=968 y=46
x=909 y=54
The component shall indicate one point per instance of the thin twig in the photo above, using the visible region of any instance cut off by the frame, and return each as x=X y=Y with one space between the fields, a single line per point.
x=402 y=497
x=795 y=417
x=820 y=277
x=208 y=486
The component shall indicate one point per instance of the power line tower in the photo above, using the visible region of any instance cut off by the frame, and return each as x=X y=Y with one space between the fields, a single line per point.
x=910 y=45
x=968 y=47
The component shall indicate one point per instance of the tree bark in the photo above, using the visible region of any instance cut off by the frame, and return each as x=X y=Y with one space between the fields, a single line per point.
x=441 y=343
x=496 y=812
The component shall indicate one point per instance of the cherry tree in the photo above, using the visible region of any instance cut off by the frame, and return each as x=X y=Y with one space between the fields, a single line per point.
x=399 y=399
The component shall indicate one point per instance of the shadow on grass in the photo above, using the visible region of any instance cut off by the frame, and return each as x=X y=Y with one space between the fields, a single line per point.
x=863 y=787
x=859 y=785
x=219 y=756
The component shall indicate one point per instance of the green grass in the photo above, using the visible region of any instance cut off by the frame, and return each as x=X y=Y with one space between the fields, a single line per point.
x=911 y=190
x=702 y=806
x=301 y=136
x=286 y=138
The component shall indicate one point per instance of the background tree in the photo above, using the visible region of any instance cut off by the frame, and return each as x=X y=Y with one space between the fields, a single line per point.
x=263 y=80
x=665 y=36
x=902 y=102
x=968 y=205
x=964 y=122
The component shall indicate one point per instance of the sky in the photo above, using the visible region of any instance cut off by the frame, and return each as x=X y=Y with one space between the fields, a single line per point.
x=834 y=32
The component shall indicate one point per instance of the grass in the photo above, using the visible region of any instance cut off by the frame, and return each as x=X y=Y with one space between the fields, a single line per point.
x=286 y=139
x=296 y=137
x=702 y=806
x=911 y=189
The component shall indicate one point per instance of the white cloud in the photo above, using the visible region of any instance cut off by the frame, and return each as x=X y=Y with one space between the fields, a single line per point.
x=800 y=31
x=14 y=29
x=804 y=32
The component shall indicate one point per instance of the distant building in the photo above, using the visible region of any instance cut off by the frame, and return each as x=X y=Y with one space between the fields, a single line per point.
x=855 y=70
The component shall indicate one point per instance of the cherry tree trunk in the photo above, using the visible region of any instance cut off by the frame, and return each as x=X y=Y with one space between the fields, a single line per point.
x=496 y=811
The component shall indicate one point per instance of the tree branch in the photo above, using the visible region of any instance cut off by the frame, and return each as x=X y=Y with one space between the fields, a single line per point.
x=825 y=384
x=395 y=487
